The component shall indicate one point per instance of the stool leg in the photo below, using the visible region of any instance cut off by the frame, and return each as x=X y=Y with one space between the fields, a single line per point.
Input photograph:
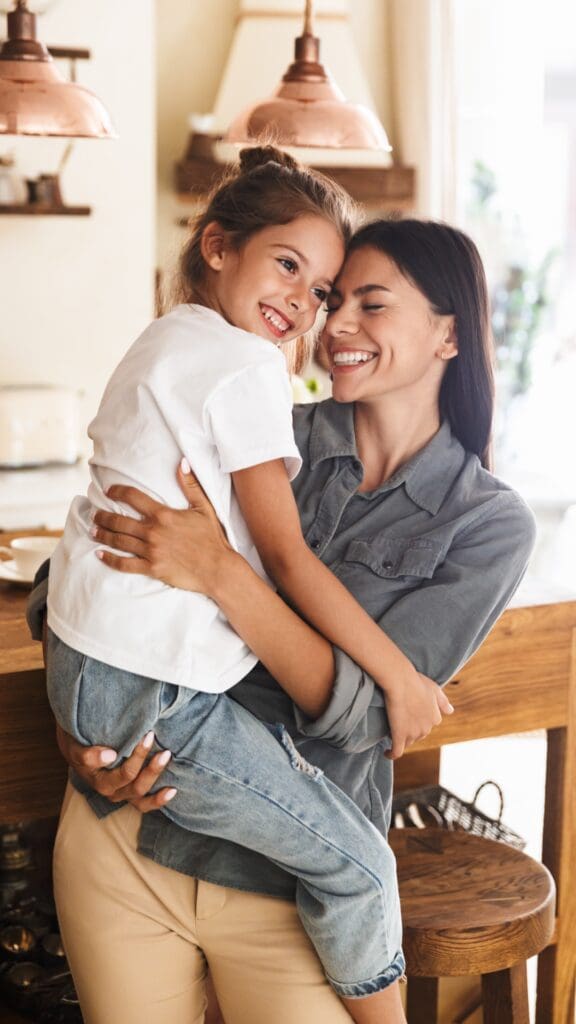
x=422 y=1001
x=505 y=995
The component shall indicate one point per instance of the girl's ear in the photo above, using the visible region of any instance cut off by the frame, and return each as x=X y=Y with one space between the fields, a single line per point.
x=449 y=346
x=213 y=245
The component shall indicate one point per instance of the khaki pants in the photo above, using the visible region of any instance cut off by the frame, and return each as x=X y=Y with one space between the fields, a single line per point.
x=140 y=937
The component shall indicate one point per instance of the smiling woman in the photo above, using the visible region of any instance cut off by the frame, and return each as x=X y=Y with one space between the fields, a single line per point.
x=399 y=333
x=389 y=326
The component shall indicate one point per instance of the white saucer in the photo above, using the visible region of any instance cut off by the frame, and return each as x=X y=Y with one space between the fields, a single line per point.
x=8 y=571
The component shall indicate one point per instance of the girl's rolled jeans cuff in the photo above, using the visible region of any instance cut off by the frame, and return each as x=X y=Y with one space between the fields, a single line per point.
x=360 y=989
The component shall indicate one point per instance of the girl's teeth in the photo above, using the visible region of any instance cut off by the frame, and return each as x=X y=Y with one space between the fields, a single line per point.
x=344 y=358
x=280 y=325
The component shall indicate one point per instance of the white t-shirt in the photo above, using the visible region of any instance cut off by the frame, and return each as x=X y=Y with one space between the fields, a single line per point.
x=191 y=385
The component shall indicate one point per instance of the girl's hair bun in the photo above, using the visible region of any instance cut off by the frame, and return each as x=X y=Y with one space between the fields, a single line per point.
x=257 y=156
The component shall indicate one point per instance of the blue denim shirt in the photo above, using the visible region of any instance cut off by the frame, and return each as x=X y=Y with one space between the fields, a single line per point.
x=434 y=555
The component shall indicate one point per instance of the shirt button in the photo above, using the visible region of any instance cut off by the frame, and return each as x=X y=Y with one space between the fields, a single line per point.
x=387 y=566
x=315 y=544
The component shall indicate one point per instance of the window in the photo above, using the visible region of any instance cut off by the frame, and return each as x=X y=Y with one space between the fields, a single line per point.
x=516 y=124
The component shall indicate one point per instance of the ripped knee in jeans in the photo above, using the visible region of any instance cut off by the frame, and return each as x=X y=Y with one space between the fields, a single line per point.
x=297 y=761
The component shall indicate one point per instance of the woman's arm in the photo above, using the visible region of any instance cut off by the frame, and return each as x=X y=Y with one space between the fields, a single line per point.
x=455 y=610
x=185 y=549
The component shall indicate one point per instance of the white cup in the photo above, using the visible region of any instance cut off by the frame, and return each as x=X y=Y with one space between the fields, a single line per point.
x=28 y=553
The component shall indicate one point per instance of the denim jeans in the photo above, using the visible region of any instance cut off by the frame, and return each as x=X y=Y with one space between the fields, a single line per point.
x=240 y=780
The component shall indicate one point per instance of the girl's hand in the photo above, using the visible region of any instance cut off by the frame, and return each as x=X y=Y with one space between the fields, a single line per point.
x=130 y=781
x=186 y=548
x=414 y=708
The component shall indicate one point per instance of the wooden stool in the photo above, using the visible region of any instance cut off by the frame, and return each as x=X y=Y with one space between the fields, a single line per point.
x=470 y=906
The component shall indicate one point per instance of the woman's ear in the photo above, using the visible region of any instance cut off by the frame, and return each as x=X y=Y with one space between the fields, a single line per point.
x=449 y=345
x=213 y=245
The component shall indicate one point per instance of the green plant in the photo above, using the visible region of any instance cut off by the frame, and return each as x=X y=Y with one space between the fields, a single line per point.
x=519 y=298
x=518 y=304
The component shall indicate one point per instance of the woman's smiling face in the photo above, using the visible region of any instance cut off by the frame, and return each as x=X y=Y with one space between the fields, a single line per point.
x=381 y=334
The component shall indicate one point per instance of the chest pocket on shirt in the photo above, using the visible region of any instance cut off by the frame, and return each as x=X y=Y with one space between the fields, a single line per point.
x=391 y=558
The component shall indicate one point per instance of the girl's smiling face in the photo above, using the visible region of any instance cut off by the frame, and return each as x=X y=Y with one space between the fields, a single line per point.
x=381 y=334
x=274 y=285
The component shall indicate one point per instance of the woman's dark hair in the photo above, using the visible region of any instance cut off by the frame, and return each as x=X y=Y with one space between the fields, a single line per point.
x=445 y=265
x=268 y=187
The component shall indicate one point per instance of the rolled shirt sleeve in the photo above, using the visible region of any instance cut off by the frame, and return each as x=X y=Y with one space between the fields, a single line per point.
x=439 y=625
x=355 y=718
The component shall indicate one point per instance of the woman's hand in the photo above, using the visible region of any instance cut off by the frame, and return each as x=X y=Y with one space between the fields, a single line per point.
x=186 y=548
x=131 y=781
x=414 y=708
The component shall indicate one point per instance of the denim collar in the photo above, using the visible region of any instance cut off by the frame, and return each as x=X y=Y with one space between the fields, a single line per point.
x=427 y=476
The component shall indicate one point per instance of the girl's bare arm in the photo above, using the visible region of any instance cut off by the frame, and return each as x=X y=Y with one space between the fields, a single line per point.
x=414 y=704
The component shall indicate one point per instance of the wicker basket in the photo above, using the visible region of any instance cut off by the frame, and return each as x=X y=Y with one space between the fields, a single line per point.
x=437 y=807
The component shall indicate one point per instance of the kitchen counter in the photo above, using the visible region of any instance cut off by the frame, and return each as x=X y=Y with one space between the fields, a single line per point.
x=32 y=773
x=18 y=651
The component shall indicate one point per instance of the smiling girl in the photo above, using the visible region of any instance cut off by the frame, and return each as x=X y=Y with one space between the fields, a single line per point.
x=129 y=655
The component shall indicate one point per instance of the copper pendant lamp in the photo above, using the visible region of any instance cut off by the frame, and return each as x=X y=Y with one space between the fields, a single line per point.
x=308 y=109
x=35 y=98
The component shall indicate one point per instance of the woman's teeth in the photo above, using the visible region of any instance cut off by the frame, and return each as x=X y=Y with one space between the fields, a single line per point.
x=348 y=358
x=277 y=321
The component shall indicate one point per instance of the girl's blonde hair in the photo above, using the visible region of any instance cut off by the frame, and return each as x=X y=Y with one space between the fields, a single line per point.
x=269 y=187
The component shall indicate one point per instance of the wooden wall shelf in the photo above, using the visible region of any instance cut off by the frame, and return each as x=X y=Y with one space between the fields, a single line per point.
x=39 y=210
x=66 y=52
x=70 y=52
x=389 y=188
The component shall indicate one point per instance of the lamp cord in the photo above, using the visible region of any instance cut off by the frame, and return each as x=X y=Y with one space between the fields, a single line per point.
x=308 y=19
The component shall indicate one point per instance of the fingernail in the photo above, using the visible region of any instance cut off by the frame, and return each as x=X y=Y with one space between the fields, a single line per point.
x=107 y=756
x=185 y=466
x=169 y=795
x=451 y=708
x=148 y=740
x=164 y=758
x=99 y=554
x=93 y=531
